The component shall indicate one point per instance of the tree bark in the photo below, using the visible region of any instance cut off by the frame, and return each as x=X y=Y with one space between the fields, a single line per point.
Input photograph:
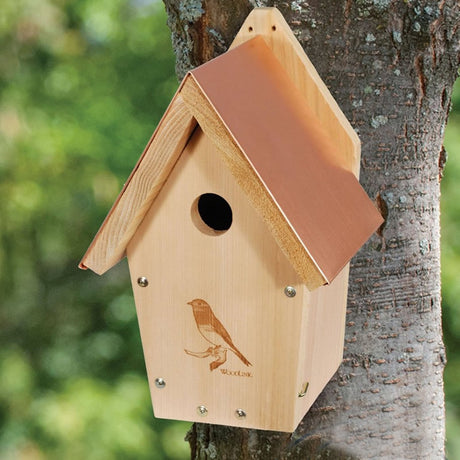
x=391 y=66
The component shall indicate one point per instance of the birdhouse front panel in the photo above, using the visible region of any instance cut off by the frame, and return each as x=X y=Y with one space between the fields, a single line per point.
x=216 y=324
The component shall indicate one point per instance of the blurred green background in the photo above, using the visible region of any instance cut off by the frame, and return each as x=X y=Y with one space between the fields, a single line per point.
x=83 y=83
x=450 y=274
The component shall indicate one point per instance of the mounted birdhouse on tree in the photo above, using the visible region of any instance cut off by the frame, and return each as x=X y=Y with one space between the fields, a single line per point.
x=239 y=221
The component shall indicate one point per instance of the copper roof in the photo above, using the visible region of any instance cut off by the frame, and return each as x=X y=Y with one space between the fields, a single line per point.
x=290 y=151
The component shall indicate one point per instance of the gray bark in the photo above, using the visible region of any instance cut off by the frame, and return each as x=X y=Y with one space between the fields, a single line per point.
x=391 y=65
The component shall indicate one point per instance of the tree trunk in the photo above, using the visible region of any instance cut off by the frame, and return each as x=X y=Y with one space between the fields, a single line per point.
x=391 y=65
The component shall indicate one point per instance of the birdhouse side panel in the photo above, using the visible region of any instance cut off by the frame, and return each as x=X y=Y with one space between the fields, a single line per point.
x=321 y=343
x=220 y=335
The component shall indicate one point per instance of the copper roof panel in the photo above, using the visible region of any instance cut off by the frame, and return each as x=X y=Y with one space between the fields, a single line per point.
x=289 y=149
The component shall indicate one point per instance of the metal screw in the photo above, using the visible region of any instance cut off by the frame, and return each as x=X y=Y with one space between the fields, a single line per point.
x=240 y=413
x=202 y=411
x=290 y=291
x=142 y=281
x=160 y=383
x=304 y=389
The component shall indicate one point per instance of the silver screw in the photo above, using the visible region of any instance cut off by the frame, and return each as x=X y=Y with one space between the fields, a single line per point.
x=202 y=411
x=160 y=383
x=290 y=291
x=142 y=281
x=240 y=413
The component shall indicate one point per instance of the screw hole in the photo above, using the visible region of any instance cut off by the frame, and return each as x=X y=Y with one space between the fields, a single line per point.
x=250 y=29
x=273 y=28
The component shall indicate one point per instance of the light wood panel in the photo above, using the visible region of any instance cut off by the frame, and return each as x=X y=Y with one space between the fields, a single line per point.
x=141 y=188
x=242 y=274
x=271 y=25
x=321 y=341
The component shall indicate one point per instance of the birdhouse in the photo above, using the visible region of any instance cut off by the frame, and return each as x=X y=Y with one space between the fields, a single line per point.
x=238 y=222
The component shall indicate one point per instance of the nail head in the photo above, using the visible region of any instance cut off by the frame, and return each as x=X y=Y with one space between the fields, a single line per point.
x=240 y=413
x=290 y=291
x=202 y=411
x=142 y=281
x=160 y=383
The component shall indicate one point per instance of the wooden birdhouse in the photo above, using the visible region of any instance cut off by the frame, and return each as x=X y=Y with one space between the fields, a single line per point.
x=238 y=222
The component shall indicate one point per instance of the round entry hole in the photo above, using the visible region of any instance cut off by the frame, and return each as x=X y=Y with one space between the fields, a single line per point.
x=212 y=214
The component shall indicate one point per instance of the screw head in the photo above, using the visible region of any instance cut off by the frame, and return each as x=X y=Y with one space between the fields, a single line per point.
x=290 y=291
x=201 y=410
x=160 y=383
x=240 y=413
x=142 y=281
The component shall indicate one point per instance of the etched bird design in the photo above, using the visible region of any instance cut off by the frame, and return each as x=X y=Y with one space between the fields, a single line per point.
x=215 y=333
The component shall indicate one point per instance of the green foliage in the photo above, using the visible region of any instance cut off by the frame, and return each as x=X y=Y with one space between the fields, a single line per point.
x=83 y=84
x=450 y=262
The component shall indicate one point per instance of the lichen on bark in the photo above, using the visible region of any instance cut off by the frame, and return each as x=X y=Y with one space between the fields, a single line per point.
x=203 y=29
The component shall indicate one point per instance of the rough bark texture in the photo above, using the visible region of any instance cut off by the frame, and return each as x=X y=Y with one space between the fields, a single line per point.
x=391 y=65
